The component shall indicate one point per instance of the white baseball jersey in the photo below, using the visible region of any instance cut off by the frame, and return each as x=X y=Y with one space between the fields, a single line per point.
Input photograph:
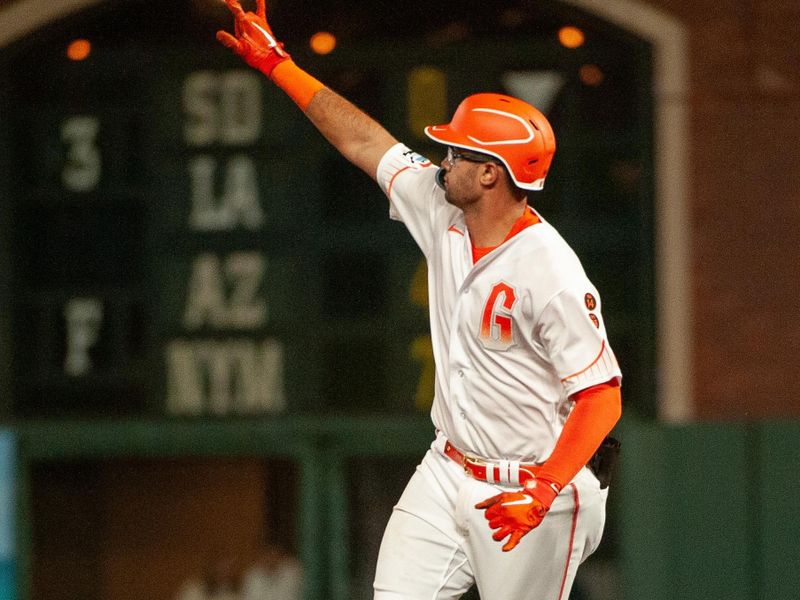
x=514 y=334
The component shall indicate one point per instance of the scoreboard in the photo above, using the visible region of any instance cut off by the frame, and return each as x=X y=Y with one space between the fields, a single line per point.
x=172 y=251
x=178 y=240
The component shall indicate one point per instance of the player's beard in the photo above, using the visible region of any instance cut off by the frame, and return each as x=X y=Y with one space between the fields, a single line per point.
x=459 y=194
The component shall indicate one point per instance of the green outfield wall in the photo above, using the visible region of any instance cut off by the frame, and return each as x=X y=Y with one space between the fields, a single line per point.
x=709 y=511
x=7 y=515
x=704 y=511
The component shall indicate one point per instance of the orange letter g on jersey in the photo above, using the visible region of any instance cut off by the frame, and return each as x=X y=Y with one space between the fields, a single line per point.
x=496 y=323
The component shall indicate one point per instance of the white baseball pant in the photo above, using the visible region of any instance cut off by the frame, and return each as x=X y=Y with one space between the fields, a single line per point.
x=436 y=544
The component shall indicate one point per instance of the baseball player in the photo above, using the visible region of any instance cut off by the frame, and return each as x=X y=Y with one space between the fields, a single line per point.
x=527 y=387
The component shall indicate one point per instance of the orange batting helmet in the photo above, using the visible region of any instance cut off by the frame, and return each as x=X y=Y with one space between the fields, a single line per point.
x=507 y=128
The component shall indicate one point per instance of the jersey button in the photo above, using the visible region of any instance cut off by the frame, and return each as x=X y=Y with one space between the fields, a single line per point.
x=461 y=373
x=463 y=415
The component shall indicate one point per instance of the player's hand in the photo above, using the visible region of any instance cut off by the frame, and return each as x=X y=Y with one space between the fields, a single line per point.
x=517 y=513
x=253 y=39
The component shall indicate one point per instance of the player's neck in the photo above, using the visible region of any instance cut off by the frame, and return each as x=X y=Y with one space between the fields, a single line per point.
x=489 y=223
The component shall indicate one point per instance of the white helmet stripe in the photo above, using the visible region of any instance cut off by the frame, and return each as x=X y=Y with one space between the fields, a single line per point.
x=525 y=124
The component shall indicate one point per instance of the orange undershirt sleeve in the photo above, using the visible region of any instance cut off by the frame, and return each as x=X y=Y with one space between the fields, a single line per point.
x=298 y=85
x=596 y=411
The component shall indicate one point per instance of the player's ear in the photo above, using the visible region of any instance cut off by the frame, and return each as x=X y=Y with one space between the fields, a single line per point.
x=491 y=173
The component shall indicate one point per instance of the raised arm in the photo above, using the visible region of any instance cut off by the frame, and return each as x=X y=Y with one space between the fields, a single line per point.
x=358 y=137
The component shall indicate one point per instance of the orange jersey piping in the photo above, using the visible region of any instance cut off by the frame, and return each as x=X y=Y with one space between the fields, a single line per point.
x=593 y=363
x=391 y=181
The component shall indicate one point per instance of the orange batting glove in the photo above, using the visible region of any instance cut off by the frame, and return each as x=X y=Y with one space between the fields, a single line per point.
x=517 y=513
x=253 y=39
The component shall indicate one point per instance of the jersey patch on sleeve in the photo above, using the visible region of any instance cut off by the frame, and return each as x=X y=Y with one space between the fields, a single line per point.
x=416 y=159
